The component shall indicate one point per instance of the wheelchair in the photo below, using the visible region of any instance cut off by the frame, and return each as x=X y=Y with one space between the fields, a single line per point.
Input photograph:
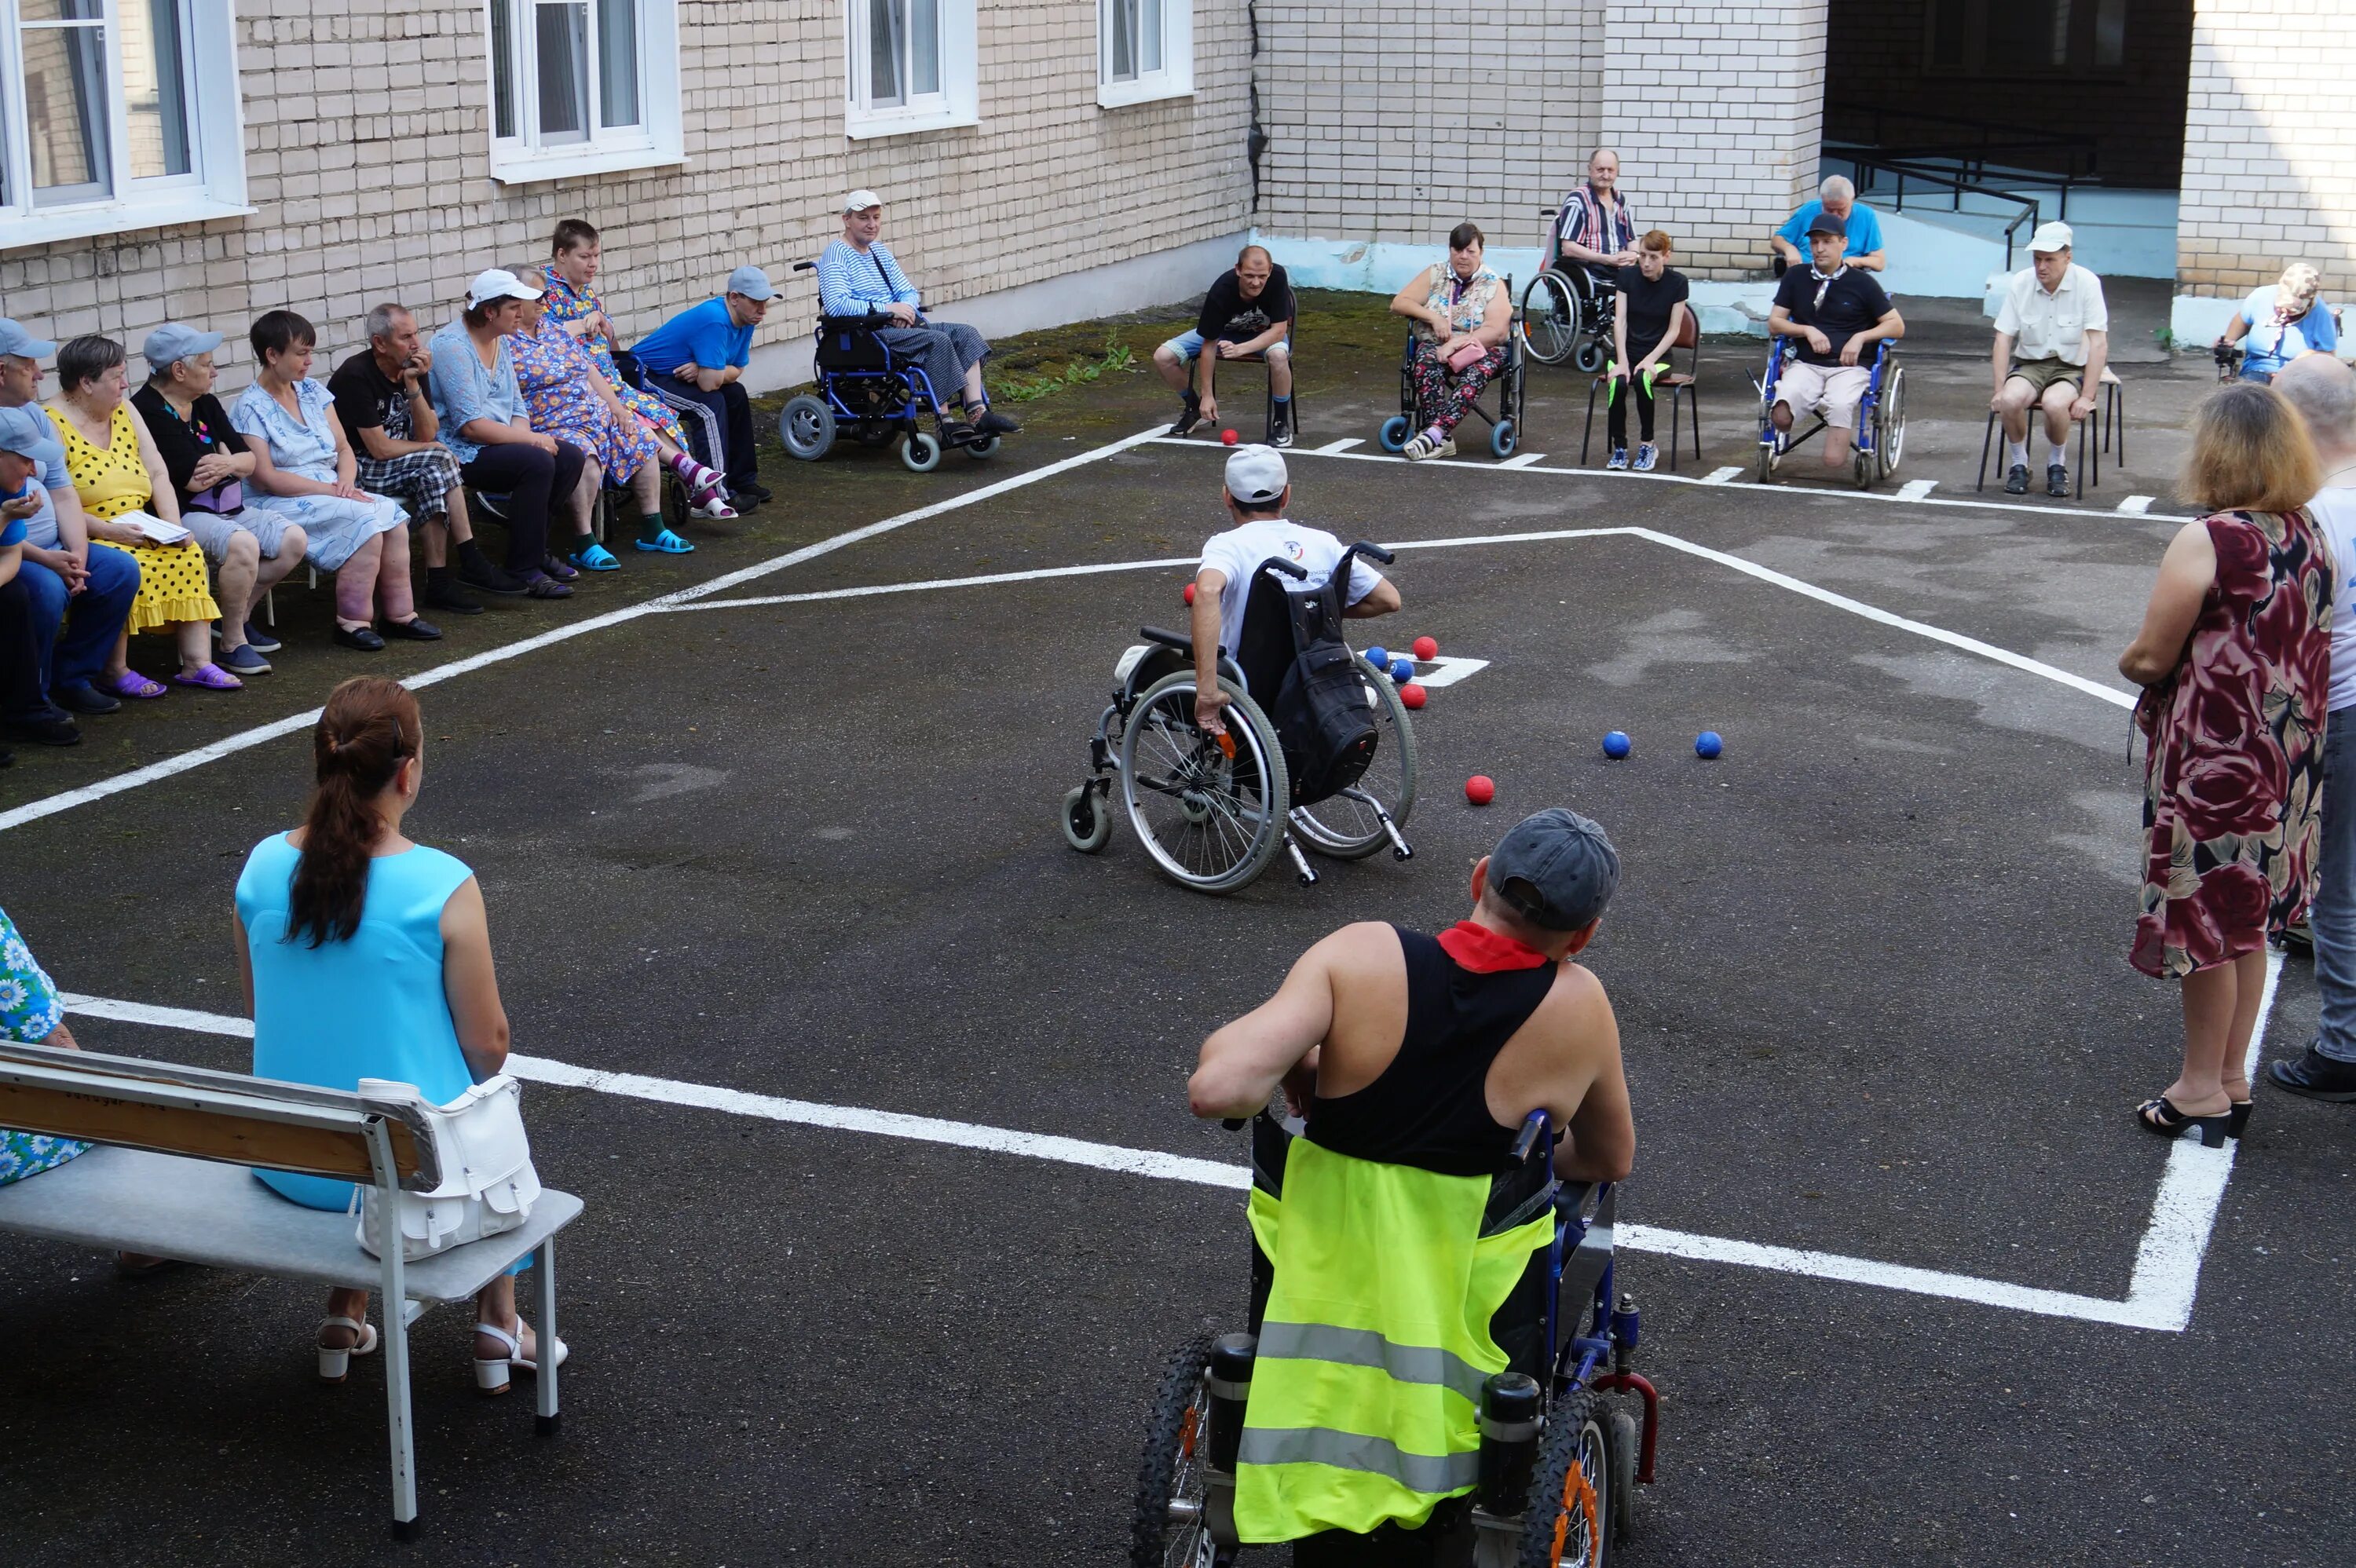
x=1880 y=417
x=868 y=387
x=1505 y=425
x=1559 y=1461
x=1215 y=812
x=1567 y=312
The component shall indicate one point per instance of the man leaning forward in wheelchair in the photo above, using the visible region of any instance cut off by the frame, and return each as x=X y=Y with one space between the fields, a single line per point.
x=1414 y=1061
x=1839 y=312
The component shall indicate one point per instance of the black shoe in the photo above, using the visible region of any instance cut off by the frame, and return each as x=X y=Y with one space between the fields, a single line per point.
x=477 y=571
x=443 y=593
x=416 y=629
x=1190 y=416
x=361 y=639
x=1279 y=428
x=957 y=433
x=751 y=491
x=2317 y=1076
x=992 y=422
x=52 y=729
x=2057 y=481
x=2016 y=479
x=83 y=698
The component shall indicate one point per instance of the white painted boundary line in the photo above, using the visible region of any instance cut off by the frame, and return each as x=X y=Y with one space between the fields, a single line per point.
x=1915 y=489
x=49 y=805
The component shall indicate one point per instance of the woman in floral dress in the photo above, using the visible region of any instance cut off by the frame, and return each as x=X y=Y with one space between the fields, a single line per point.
x=30 y=1014
x=2234 y=658
x=572 y=303
x=572 y=400
x=1462 y=315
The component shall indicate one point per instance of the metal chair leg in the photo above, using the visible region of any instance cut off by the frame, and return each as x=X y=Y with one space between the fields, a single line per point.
x=1587 y=440
x=1988 y=437
x=544 y=1266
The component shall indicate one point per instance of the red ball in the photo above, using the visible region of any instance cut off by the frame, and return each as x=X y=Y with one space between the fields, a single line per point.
x=1412 y=693
x=1480 y=789
x=1228 y=438
x=1190 y=593
x=1427 y=648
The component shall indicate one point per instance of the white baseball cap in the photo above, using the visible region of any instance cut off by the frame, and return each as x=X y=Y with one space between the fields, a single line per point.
x=2050 y=238
x=860 y=201
x=1255 y=476
x=498 y=284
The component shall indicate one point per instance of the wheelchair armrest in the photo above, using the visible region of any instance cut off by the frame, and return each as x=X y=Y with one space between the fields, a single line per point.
x=868 y=323
x=1184 y=645
x=805 y=266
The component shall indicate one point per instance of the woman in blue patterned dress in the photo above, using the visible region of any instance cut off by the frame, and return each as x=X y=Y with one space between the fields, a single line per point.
x=30 y=1014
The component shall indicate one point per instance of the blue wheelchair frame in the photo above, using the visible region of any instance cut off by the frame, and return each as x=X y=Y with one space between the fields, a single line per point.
x=865 y=384
x=1510 y=384
x=1880 y=417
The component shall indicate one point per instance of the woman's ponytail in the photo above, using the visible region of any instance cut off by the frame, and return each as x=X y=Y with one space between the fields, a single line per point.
x=368 y=728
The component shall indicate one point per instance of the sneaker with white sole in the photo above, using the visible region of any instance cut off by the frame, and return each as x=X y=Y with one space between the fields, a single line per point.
x=1647 y=454
x=1619 y=458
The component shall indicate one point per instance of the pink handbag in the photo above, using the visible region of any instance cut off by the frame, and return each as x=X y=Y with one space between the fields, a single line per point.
x=1464 y=358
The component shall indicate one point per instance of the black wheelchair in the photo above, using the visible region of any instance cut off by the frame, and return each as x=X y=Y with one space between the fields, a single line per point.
x=1559 y=1461
x=1505 y=425
x=1214 y=812
x=1880 y=417
x=1566 y=311
x=871 y=389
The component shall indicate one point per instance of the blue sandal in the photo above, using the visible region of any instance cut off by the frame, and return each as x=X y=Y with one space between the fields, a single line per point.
x=667 y=543
x=595 y=557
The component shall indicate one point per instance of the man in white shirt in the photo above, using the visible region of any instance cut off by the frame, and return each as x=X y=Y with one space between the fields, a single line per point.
x=1258 y=491
x=2323 y=390
x=2053 y=335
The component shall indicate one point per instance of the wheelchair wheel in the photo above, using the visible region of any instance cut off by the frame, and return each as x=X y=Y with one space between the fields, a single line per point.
x=1550 y=317
x=1589 y=357
x=1087 y=819
x=1503 y=436
x=1172 y=1482
x=1571 y=1501
x=1890 y=420
x=1211 y=820
x=1345 y=825
x=1392 y=437
x=807 y=428
x=1626 y=1439
x=921 y=452
x=978 y=450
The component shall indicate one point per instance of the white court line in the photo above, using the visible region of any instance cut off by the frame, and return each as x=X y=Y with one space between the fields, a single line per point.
x=1344 y=445
x=1522 y=460
x=1446 y=671
x=66 y=800
x=2138 y=504
x=1718 y=475
x=1915 y=489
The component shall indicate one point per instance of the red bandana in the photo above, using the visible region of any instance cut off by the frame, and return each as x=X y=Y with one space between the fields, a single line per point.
x=1486 y=952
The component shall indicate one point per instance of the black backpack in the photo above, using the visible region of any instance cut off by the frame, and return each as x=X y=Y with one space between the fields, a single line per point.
x=1323 y=711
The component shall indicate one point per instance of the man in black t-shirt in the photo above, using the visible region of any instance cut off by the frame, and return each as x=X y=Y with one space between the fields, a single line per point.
x=1839 y=312
x=1246 y=312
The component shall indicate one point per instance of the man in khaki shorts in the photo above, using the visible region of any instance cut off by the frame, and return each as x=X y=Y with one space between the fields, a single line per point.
x=2053 y=335
x=1839 y=312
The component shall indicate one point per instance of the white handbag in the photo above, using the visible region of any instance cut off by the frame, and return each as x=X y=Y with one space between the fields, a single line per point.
x=488 y=1183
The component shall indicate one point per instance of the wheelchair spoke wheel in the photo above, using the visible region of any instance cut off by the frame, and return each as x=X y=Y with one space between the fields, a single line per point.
x=1346 y=826
x=1168 y=1528
x=1889 y=439
x=1571 y=1503
x=1550 y=317
x=1211 y=820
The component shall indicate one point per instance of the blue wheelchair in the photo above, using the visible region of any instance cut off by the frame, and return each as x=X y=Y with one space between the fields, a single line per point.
x=869 y=388
x=1505 y=425
x=1559 y=1461
x=1880 y=418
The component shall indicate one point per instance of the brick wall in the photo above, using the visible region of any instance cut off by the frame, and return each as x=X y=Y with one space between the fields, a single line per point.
x=2270 y=147
x=368 y=154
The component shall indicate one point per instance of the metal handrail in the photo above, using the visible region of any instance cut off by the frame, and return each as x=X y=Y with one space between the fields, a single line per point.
x=1987 y=137
x=2026 y=206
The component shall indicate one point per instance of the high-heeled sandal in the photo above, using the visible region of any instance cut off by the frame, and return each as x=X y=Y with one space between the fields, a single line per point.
x=335 y=1362
x=2237 y=1117
x=491 y=1376
x=2159 y=1116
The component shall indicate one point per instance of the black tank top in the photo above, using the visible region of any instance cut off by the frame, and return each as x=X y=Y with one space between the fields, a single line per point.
x=1430 y=1108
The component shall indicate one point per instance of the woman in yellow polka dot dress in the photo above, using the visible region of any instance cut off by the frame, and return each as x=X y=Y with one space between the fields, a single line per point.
x=116 y=469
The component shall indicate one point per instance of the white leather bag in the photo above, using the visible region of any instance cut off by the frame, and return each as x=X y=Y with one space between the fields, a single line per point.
x=487 y=1182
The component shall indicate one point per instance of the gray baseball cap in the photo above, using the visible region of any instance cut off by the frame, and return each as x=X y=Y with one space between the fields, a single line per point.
x=173 y=341
x=1555 y=869
x=752 y=282
x=17 y=343
x=1255 y=474
x=26 y=432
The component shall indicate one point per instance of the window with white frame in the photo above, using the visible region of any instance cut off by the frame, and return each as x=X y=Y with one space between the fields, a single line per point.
x=1145 y=50
x=911 y=65
x=583 y=86
x=116 y=115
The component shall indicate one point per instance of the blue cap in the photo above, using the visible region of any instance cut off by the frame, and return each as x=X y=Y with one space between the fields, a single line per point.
x=1555 y=869
x=752 y=282
x=17 y=343
x=173 y=341
x=26 y=432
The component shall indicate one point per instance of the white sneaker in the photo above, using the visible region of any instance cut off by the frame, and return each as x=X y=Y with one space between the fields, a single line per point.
x=1619 y=458
x=1647 y=454
x=1417 y=450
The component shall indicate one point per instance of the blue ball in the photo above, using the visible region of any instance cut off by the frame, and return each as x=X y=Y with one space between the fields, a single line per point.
x=1617 y=744
x=1402 y=670
x=1379 y=656
x=1708 y=743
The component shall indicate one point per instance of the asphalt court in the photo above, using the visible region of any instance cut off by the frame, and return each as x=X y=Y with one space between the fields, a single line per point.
x=808 y=850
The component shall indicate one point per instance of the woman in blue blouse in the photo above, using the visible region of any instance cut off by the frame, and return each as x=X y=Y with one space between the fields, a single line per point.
x=2282 y=322
x=367 y=955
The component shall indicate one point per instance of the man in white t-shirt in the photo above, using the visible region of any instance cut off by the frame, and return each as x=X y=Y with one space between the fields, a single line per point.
x=2053 y=337
x=2324 y=392
x=1258 y=492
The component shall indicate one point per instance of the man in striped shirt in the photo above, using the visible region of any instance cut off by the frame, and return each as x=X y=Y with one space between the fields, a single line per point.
x=858 y=275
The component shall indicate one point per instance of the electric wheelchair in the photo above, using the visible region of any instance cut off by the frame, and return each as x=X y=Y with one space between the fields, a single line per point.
x=1505 y=425
x=871 y=389
x=1559 y=1461
x=1880 y=417
x=1214 y=811
x=1567 y=312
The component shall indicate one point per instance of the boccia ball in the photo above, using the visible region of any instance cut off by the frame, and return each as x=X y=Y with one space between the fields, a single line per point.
x=1708 y=743
x=1379 y=657
x=1617 y=744
x=1402 y=670
x=1412 y=693
x=1190 y=593
x=1480 y=789
x=1426 y=648
x=1227 y=438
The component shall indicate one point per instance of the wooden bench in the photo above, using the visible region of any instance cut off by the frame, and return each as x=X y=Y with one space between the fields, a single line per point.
x=176 y=1182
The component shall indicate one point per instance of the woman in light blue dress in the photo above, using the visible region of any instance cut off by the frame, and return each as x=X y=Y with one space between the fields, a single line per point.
x=303 y=471
x=367 y=955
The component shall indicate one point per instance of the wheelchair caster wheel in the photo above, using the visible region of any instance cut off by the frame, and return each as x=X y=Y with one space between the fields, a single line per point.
x=1087 y=825
x=1623 y=1438
x=1392 y=437
x=1589 y=357
x=1505 y=438
x=921 y=452
x=978 y=450
x=805 y=428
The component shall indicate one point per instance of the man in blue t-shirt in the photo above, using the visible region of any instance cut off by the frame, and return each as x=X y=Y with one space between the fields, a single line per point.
x=1837 y=198
x=699 y=354
x=27 y=447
